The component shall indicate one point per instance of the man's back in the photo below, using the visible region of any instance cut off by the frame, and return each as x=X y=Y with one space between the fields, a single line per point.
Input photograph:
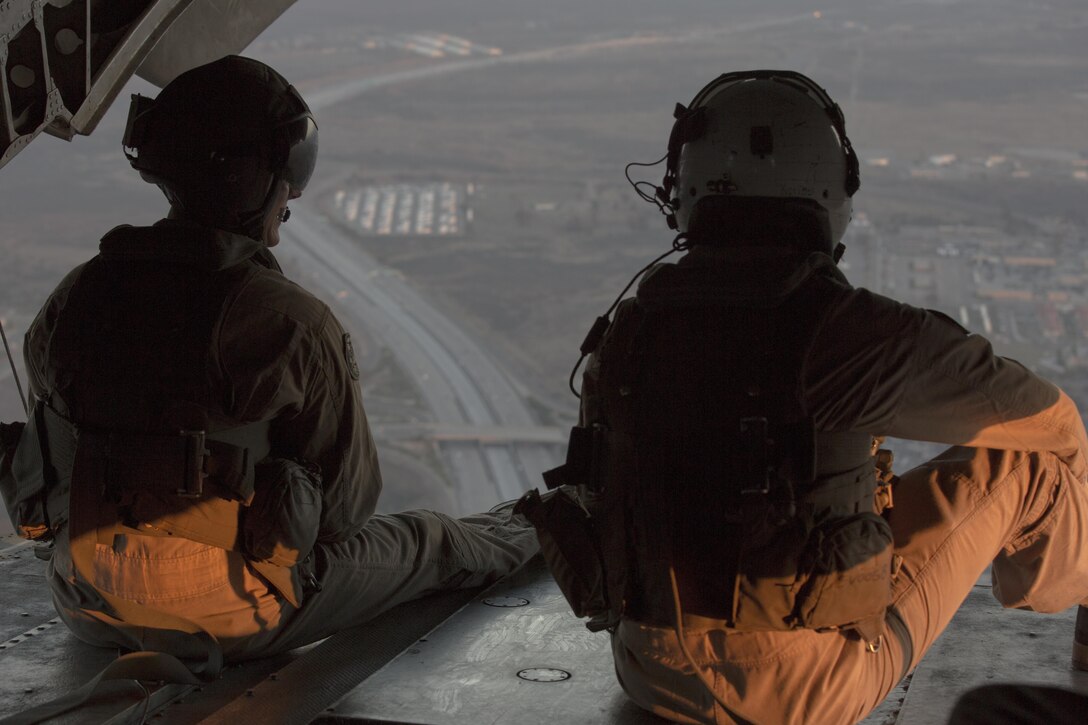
x=718 y=547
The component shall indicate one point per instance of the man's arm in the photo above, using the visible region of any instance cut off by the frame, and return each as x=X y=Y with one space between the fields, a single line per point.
x=36 y=340
x=285 y=357
x=331 y=430
x=887 y=368
x=963 y=393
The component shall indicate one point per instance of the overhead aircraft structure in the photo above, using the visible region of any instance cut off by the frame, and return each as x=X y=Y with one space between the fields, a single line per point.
x=65 y=61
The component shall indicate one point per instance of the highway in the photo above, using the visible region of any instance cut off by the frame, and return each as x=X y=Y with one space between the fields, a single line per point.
x=320 y=98
x=459 y=382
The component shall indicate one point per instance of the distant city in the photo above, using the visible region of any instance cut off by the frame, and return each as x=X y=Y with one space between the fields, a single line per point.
x=484 y=165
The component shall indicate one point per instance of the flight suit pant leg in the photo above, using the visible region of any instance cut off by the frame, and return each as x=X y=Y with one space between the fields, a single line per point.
x=1024 y=512
x=394 y=559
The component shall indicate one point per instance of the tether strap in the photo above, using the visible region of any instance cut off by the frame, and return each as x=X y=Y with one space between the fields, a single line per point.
x=180 y=463
x=14 y=372
x=147 y=666
x=899 y=628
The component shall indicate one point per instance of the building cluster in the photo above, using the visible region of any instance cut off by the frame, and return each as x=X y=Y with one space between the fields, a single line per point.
x=1028 y=291
x=431 y=45
x=404 y=209
x=1017 y=164
x=1025 y=287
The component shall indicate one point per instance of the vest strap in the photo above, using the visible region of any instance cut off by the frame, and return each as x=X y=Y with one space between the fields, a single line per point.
x=180 y=463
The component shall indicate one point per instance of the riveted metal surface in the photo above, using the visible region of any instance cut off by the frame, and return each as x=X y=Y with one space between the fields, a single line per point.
x=41 y=660
x=123 y=60
x=52 y=663
x=506 y=602
x=14 y=14
x=25 y=602
x=466 y=671
x=543 y=674
x=35 y=631
x=320 y=676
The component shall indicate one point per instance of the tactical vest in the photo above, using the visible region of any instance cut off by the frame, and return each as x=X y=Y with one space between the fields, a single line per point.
x=136 y=425
x=709 y=467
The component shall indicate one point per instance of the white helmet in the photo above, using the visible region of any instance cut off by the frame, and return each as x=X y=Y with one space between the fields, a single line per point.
x=765 y=134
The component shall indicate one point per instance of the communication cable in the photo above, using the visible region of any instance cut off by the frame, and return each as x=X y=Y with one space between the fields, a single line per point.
x=688 y=656
x=660 y=197
x=602 y=323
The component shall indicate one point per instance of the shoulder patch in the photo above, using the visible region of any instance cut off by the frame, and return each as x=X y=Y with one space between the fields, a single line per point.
x=349 y=358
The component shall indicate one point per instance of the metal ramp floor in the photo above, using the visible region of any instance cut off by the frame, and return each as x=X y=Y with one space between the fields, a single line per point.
x=510 y=654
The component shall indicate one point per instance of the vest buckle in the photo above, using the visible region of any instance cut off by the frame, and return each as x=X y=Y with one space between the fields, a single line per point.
x=195 y=452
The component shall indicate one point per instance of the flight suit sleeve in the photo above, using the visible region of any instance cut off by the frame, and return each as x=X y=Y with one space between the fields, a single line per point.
x=962 y=392
x=36 y=341
x=286 y=358
x=887 y=368
x=331 y=430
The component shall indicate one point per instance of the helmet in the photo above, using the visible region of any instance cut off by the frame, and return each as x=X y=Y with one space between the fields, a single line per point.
x=762 y=136
x=220 y=138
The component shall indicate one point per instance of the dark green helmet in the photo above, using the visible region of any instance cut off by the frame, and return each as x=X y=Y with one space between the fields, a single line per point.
x=218 y=140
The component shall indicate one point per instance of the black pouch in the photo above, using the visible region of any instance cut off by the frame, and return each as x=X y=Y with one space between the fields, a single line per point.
x=280 y=526
x=571 y=548
x=850 y=573
x=10 y=433
x=29 y=478
x=831 y=576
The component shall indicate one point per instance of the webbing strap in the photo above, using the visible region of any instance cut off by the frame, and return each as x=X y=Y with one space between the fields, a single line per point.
x=147 y=666
x=852 y=487
x=180 y=462
x=232 y=456
x=14 y=370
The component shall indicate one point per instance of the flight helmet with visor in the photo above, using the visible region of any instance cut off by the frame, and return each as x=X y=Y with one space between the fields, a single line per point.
x=763 y=137
x=219 y=140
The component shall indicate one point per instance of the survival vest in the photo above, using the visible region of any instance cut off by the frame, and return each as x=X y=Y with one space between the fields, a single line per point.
x=708 y=467
x=135 y=435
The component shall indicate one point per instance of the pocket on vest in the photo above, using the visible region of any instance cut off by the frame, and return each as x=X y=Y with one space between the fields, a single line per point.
x=571 y=549
x=280 y=526
x=848 y=579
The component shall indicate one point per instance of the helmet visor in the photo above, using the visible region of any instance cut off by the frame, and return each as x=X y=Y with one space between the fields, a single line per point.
x=301 y=152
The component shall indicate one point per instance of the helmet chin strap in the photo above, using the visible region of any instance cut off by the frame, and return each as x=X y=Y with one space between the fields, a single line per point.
x=252 y=224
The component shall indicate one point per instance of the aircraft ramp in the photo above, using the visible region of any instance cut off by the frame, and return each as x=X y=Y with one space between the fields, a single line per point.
x=508 y=654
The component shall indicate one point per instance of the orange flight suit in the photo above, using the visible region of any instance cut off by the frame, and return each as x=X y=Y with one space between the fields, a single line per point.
x=1011 y=491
